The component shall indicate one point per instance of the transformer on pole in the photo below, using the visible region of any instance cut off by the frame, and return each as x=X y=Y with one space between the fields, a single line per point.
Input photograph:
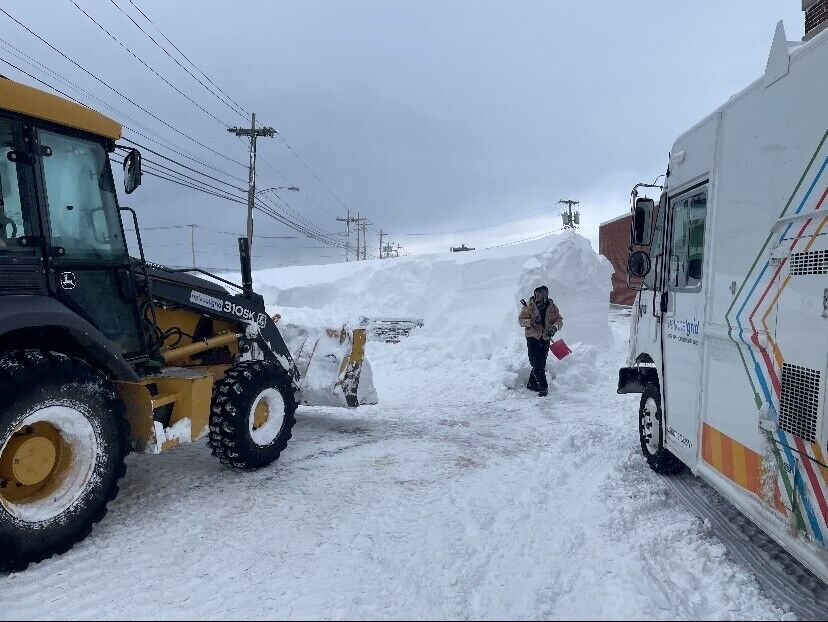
x=570 y=219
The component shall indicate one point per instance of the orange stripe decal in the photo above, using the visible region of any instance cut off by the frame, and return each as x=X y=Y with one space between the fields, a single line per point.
x=727 y=456
x=707 y=451
x=716 y=446
x=738 y=463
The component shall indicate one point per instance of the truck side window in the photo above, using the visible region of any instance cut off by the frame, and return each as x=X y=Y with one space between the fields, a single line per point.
x=686 y=257
x=14 y=223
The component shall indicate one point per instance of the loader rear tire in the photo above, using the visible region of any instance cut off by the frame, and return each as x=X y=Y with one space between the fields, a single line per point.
x=651 y=433
x=63 y=441
x=252 y=414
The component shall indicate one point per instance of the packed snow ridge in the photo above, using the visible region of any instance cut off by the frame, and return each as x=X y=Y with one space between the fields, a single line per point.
x=468 y=303
x=460 y=495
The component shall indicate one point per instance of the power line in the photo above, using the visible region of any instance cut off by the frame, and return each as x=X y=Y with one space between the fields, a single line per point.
x=113 y=89
x=314 y=232
x=529 y=239
x=161 y=169
x=312 y=172
x=171 y=175
x=244 y=113
x=287 y=206
x=144 y=63
x=166 y=170
x=175 y=60
x=156 y=73
x=184 y=166
x=302 y=192
x=191 y=186
x=38 y=80
x=23 y=57
x=164 y=79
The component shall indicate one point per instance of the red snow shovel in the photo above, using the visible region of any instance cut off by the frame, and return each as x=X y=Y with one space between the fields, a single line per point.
x=559 y=349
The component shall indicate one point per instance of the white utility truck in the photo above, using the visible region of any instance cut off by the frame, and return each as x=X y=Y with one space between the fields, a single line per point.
x=729 y=335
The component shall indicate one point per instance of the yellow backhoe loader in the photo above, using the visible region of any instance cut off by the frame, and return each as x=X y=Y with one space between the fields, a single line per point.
x=102 y=353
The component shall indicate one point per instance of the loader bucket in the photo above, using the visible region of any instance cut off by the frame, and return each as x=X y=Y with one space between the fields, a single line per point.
x=334 y=370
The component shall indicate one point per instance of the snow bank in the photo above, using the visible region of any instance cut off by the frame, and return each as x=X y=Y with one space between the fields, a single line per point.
x=579 y=282
x=469 y=304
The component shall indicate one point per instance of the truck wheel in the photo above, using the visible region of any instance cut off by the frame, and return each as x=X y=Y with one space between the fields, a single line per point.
x=63 y=440
x=252 y=414
x=651 y=432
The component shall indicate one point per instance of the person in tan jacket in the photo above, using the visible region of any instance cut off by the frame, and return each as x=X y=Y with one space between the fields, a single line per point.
x=541 y=320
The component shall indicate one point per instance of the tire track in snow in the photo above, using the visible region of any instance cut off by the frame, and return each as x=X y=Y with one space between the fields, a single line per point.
x=781 y=577
x=513 y=507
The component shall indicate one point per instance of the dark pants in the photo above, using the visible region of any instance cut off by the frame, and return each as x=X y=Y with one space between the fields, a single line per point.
x=538 y=351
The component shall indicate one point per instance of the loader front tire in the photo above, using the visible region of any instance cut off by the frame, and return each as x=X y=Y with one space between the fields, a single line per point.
x=252 y=414
x=63 y=441
x=651 y=433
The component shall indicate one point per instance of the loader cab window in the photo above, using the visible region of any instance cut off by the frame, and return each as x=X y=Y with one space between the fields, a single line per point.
x=686 y=256
x=83 y=211
x=15 y=222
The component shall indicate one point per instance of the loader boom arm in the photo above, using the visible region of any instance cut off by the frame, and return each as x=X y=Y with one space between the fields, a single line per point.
x=217 y=303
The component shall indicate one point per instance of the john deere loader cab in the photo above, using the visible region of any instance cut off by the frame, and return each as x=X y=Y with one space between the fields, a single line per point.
x=63 y=232
x=102 y=354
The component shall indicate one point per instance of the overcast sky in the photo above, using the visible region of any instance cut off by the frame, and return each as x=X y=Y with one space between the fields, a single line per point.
x=424 y=116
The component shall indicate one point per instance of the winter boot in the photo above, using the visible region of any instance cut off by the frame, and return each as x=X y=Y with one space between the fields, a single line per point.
x=543 y=392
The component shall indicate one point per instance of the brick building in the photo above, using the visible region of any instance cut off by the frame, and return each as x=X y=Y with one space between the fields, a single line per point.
x=614 y=244
x=816 y=16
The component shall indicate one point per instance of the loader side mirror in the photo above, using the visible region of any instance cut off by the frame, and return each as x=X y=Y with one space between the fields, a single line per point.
x=132 y=171
x=639 y=264
x=643 y=221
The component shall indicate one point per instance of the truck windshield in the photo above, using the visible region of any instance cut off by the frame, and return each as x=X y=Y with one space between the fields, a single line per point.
x=83 y=211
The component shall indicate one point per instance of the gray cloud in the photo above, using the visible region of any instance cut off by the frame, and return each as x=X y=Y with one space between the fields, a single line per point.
x=422 y=115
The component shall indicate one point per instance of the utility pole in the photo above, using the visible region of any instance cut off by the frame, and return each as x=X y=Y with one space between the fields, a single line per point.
x=570 y=220
x=380 y=246
x=252 y=132
x=192 y=241
x=358 y=228
x=363 y=224
x=348 y=220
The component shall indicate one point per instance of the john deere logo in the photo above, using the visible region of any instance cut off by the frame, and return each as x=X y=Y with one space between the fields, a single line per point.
x=67 y=280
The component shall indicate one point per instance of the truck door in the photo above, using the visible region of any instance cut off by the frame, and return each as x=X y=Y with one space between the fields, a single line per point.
x=682 y=306
x=88 y=264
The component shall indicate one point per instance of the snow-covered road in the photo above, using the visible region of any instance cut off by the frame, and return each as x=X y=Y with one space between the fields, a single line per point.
x=436 y=503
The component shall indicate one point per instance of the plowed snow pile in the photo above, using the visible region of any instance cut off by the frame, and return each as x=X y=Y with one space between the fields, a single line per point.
x=460 y=495
x=469 y=304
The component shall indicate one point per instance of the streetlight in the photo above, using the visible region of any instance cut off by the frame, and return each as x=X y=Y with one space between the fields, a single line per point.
x=293 y=188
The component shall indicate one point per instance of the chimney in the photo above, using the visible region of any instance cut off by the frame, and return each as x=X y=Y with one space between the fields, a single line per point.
x=816 y=17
